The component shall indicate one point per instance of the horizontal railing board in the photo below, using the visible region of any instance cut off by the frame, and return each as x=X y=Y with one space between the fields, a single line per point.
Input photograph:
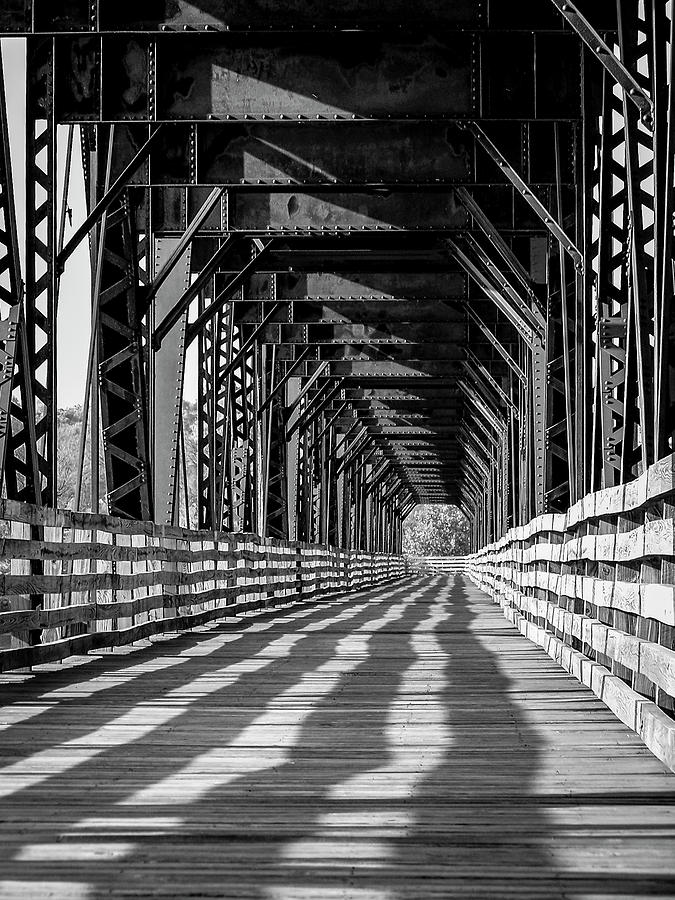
x=165 y=575
x=645 y=657
x=654 y=727
x=601 y=579
x=655 y=484
x=653 y=601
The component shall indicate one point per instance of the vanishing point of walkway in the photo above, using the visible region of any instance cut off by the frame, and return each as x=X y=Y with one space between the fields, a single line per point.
x=404 y=742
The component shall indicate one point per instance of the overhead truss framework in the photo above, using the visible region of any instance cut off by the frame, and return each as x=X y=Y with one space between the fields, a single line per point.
x=416 y=265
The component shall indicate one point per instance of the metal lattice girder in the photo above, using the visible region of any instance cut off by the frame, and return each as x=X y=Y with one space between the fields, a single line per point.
x=122 y=376
x=213 y=399
x=18 y=450
x=259 y=251
x=622 y=257
x=40 y=287
x=238 y=474
x=277 y=496
x=9 y=327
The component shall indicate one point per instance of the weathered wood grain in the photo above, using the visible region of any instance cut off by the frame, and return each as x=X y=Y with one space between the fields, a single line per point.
x=126 y=580
x=396 y=744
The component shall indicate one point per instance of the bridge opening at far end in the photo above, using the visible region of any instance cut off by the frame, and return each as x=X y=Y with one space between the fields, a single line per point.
x=436 y=537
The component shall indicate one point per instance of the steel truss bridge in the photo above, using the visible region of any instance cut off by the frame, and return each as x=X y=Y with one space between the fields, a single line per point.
x=423 y=254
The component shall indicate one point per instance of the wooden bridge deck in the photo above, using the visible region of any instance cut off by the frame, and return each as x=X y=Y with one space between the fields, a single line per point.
x=404 y=743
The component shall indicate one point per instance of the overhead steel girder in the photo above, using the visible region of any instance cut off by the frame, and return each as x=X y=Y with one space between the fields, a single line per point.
x=351 y=211
x=546 y=217
x=263 y=156
x=306 y=156
x=399 y=421
x=425 y=368
x=371 y=286
x=415 y=407
x=184 y=19
x=354 y=333
x=433 y=391
x=339 y=77
x=388 y=315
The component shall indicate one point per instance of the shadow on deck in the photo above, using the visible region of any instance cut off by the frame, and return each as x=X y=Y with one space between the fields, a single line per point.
x=404 y=743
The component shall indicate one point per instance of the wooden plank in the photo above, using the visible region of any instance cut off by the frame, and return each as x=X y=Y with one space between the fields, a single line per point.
x=406 y=742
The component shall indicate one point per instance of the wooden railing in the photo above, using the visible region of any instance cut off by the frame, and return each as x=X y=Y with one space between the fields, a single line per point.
x=595 y=588
x=72 y=582
x=443 y=565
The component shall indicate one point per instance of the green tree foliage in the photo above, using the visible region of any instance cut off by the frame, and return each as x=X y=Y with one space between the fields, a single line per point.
x=190 y=426
x=69 y=424
x=436 y=531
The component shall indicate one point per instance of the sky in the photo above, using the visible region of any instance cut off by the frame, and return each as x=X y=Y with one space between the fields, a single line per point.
x=74 y=306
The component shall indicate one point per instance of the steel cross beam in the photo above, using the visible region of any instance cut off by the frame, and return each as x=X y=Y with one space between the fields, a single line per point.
x=255 y=334
x=197 y=286
x=529 y=306
x=107 y=200
x=284 y=380
x=516 y=316
x=480 y=404
x=497 y=241
x=306 y=417
x=527 y=194
x=331 y=421
x=191 y=231
x=218 y=302
x=496 y=343
x=475 y=367
x=607 y=58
